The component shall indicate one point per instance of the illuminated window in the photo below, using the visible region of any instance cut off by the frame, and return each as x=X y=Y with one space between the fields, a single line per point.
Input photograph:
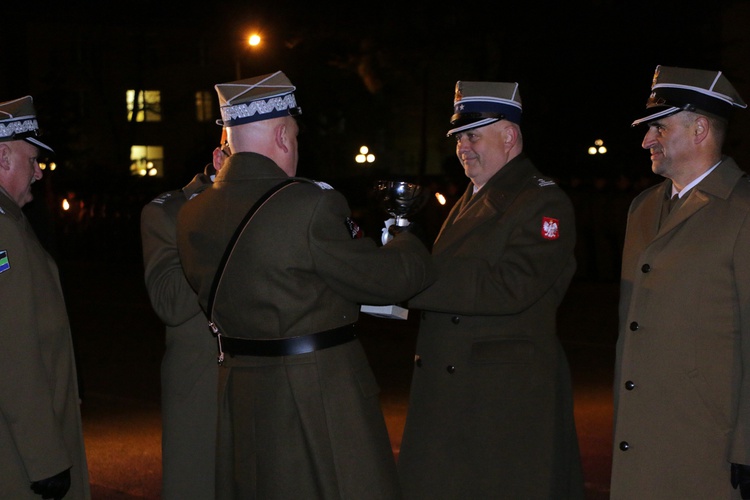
x=203 y=106
x=147 y=161
x=147 y=107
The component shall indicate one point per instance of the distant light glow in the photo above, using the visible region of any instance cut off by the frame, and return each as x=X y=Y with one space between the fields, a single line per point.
x=598 y=148
x=65 y=204
x=440 y=198
x=253 y=40
x=364 y=155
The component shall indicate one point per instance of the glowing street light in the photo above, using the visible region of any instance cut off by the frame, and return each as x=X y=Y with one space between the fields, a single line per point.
x=253 y=40
x=598 y=148
x=364 y=155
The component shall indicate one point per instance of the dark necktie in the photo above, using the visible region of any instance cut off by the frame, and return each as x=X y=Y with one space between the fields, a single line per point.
x=673 y=201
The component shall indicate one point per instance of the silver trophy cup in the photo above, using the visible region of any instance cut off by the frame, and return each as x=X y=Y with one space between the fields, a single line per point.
x=400 y=200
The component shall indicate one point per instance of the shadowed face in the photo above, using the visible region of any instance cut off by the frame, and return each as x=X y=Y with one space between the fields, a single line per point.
x=483 y=151
x=19 y=169
x=669 y=140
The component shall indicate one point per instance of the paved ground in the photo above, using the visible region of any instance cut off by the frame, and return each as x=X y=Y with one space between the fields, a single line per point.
x=120 y=341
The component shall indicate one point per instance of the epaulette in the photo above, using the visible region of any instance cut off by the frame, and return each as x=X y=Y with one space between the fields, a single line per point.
x=542 y=182
x=320 y=184
x=164 y=197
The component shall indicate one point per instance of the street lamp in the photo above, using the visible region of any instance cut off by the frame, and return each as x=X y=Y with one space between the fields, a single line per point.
x=253 y=41
x=598 y=148
x=364 y=155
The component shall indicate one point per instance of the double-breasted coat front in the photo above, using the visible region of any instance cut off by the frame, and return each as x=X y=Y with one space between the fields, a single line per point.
x=189 y=375
x=40 y=419
x=682 y=379
x=491 y=408
x=308 y=425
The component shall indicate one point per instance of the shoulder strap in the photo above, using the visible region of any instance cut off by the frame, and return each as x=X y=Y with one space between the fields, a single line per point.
x=233 y=241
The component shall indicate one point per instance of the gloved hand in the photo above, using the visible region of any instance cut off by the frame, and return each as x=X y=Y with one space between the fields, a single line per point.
x=413 y=228
x=54 y=487
x=740 y=476
x=393 y=229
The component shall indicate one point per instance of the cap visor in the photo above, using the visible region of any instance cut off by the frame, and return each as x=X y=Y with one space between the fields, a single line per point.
x=658 y=114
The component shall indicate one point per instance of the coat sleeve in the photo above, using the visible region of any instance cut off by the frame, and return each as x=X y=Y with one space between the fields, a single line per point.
x=171 y=296
x=508 y=263
x=357 y=268
x=740 y=439
x=26 y=393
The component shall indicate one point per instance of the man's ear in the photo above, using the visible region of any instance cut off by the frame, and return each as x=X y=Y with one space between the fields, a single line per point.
x=281 y=138
x=511 y=136
x=701 y=128
x=4 y=156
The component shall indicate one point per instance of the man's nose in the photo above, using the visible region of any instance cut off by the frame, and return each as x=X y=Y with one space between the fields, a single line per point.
x=648 y=140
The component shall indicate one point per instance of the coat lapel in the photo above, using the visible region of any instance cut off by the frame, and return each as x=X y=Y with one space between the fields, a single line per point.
x=718 y=183
x=474 y=210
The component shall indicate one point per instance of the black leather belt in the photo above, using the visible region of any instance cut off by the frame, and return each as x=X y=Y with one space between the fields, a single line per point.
x=288 y=346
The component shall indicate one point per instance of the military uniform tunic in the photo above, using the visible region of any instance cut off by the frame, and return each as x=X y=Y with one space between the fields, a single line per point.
x=309 y=425
x=189 y=375
x=40 y=419
x=491 y=407
x=682 y=379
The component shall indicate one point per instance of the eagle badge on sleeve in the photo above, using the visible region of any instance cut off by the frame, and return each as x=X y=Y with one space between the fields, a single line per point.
x=550 y=228
x=354 y=230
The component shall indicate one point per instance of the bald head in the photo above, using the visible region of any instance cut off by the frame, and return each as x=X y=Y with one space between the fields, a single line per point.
x=275 y=138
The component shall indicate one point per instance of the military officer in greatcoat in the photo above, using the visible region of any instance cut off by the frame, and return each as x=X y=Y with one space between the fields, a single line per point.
x=490 y=412
x=189 y=375
x=682 y=377
x=42 y=451
x=281 y=270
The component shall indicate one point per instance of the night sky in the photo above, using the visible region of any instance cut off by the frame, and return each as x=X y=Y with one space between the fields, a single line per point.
x=584 y=67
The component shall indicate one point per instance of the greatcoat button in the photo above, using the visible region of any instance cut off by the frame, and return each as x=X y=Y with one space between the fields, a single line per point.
x=450 y=368
x=634 y=326
x=645 y=268
x=456 y=320
x=629 y=385
x=624 y=446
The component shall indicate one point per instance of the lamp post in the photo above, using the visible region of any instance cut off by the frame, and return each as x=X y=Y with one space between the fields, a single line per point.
x=597 y=148
x=364 y=155
x=252 y=41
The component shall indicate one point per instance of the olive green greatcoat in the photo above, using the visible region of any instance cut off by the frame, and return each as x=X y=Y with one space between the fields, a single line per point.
x=189 y=374
x=491 y=407
x=305 y=426
x=40 y=419
x=682 y=379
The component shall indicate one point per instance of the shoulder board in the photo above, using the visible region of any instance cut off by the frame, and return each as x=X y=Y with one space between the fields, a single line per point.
x=320 y=184
x=542 y=182
x=164 y=197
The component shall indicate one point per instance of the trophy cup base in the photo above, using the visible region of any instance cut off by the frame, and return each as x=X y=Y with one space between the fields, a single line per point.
x=391 y=312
